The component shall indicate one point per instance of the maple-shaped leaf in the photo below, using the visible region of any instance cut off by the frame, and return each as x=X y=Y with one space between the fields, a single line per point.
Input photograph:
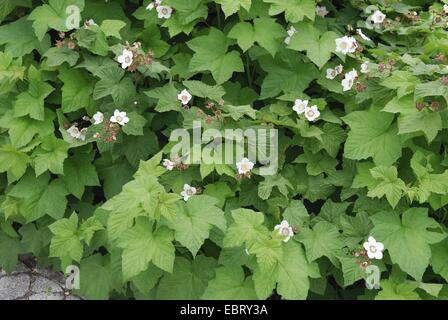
x=211 y=55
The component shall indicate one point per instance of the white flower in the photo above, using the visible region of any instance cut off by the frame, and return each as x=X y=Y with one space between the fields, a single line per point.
x=184 y=97
x=374 y=249
x=75 y=133
x=339 y=69
x=300 y=106
x=291 y=31
x=89 y=23
x=346 y=45
x=312 y=113
x=365 y=67
x=154 y=4
x=349 y=80
x=164 y=12
x=188 y=192
x=378 y=17
x=321 y=11
x=168 y=164
x=445 y=8
x=119 y=117
x=285 y=230
x=82 y=134
x=98 y=117
x=126 y=58
x=244 y=166
x=331 y=73
x=362 y=35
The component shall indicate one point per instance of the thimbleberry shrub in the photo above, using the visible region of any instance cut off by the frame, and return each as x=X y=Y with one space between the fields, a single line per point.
x=357 y=91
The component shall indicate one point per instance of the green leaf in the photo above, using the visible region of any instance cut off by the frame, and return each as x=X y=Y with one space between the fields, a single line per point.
x=295 y=10
x=407 y=239
x=230 y=284
x=286 y=73
x=95 y=277
x=265 y=31
x=10 y=72
x=114 y=83
x=78 y=173
x=19 y=38
x=293 y=273
x=111 y=28
x=13 y=161
x=76 y=91
x=296 y=214
x=167 y=98
x=322 y=240
x=7 y=6
x=411 y=120
x=39 y=196
x=188 y=280
x=135 y=125
x=266 y=186
x=52 y=16
x=22 y=130
x=439 y=258
x=355 y=229
x=31 y=102
x=200 y=89
x=318 y=46
x=65 y=243
x=211 y=55
x=9 y=251
x=247 y=228
x=387 y=184
x=194 y=220
x=373 y=135
x=391 y=290
x=57 y=56
x=50 y=155
x=427 y=181
x=232 y=6
x=141 y=246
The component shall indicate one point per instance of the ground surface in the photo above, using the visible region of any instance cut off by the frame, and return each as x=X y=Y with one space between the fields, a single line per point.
x=30 y=283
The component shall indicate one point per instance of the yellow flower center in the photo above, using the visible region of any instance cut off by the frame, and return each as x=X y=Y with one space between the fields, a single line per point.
x=372 y=249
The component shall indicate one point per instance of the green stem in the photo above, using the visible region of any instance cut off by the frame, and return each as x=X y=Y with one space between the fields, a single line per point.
x=218 y=9
x=249 y=78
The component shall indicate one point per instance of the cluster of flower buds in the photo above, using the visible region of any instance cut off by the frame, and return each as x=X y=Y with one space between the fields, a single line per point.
x=440 y=58
x=412 y=16
x=241 y=176
x=362 y=258
x=214 y=108
x=110 y=132
x=444 y=81
x=383 y=66
x=66 y=42
x=177 y=163
x=433 y=106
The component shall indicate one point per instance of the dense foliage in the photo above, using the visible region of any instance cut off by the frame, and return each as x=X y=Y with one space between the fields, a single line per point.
x=358 y=92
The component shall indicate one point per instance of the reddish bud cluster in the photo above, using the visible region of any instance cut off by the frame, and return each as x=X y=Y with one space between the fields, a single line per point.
x=139 y=59
x=68 y=42
x=362 y=258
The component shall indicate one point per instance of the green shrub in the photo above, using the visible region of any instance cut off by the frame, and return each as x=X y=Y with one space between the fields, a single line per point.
x=91 y=91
